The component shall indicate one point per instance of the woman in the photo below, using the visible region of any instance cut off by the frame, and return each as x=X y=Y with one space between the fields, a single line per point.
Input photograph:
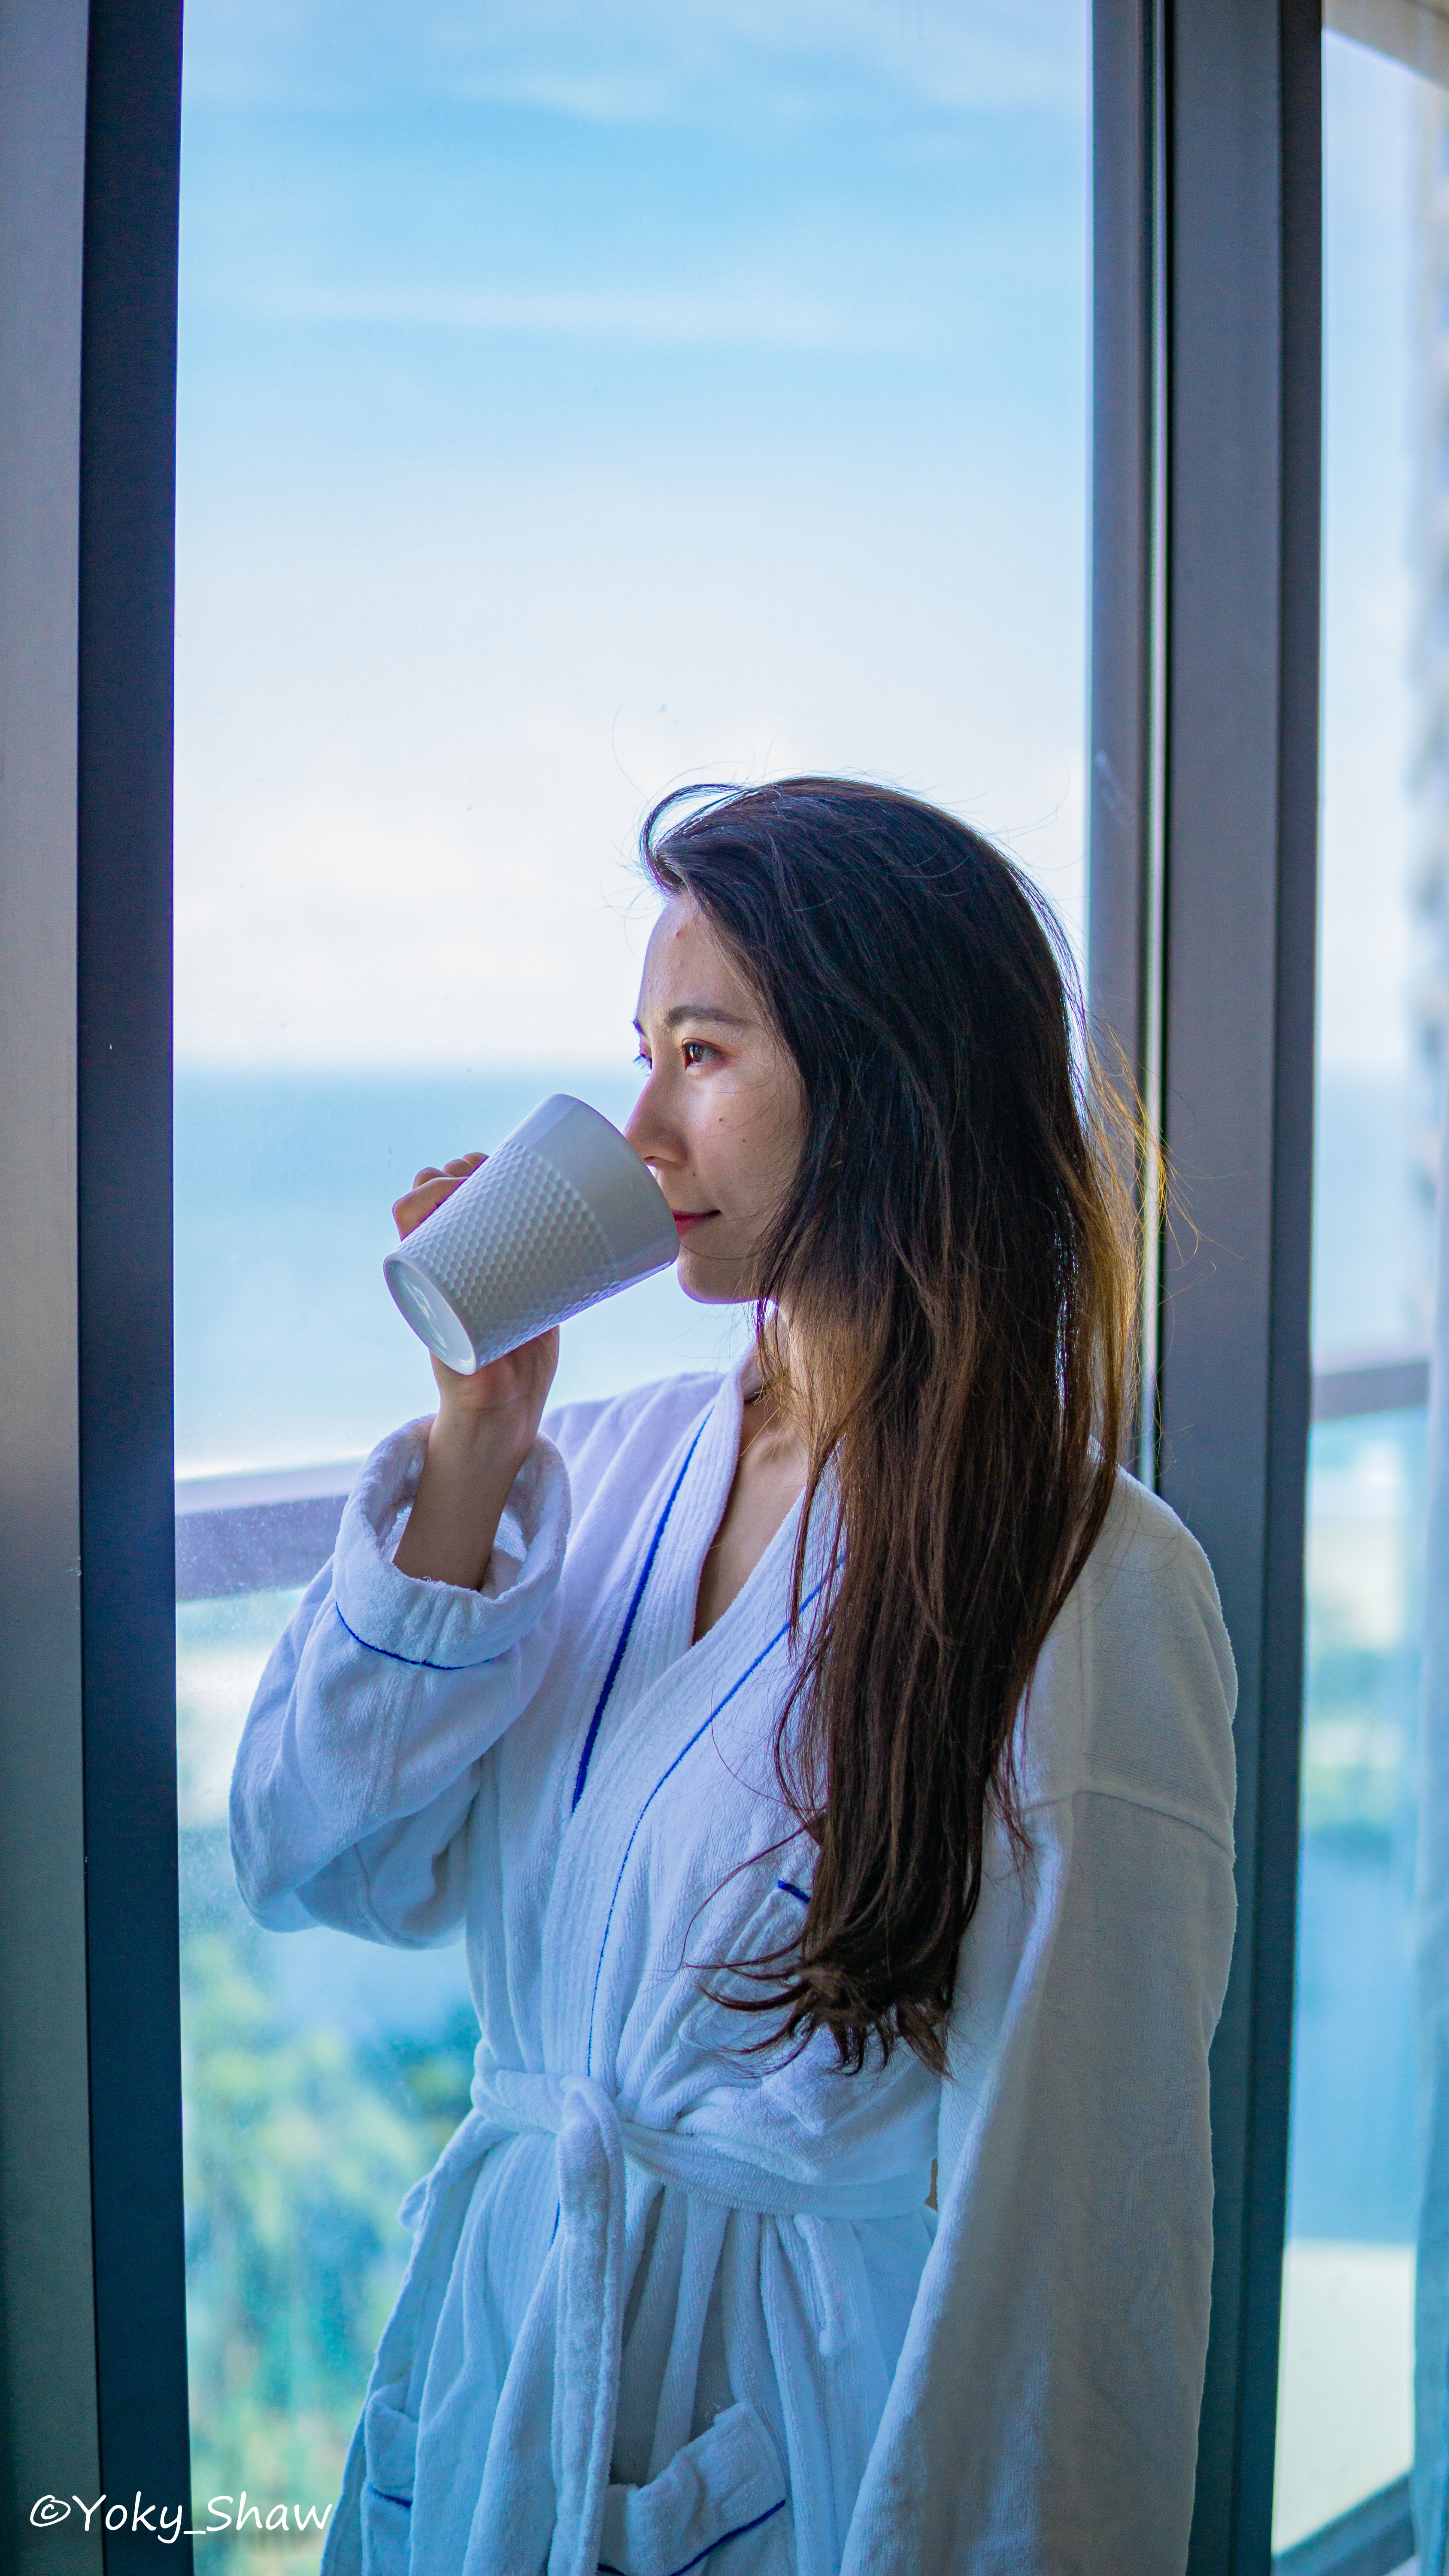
x=830 y=1768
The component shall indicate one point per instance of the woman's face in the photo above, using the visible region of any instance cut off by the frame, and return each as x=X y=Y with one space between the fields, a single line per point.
x=721 y=1118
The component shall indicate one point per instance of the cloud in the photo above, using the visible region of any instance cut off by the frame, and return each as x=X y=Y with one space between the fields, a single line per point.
x=732 y=319
x=409 y=782
x=639 y=61
x=445 y=628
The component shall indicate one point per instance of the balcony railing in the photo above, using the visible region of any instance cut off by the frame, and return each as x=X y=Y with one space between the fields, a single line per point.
x=1375 y=2539
x=258 y=1532
x=266 y=1531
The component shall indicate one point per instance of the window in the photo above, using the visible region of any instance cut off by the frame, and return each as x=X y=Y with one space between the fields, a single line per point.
x=1345 y=2427
x=570 y=405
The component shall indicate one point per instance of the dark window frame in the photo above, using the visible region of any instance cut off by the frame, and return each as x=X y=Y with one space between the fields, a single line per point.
x=123 y=1148
x=92 y=2310
x=1203 y=900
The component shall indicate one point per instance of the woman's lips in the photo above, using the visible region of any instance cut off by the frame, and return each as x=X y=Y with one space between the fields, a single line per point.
x=684 y=1218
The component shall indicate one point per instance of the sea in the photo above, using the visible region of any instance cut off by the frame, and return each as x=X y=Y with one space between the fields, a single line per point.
x=290 y=1352
x=289 y=1349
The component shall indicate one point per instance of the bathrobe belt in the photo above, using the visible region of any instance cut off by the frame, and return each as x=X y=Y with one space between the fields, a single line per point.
x=594 y=2145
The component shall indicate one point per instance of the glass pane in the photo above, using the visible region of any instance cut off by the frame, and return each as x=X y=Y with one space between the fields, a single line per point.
x=1345 y=2420
x=572 y=402
x=321 y=2076
x=1345 y=2426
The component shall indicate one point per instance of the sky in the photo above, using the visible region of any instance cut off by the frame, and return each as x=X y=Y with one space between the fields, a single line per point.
x=580 y=400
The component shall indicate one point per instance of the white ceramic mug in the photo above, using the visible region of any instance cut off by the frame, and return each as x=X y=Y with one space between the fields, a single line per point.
x=563 y=1214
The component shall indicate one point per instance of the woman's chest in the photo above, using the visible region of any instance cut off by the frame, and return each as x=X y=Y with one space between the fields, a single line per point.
x=644 y=1940
x=630 y=1836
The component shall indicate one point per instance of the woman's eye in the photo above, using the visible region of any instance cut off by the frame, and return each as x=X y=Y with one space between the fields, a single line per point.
x=695 y=1050
x=646 y=1061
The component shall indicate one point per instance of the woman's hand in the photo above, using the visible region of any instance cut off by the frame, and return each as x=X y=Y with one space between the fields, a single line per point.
x=483 y=1430
x=522 y=1378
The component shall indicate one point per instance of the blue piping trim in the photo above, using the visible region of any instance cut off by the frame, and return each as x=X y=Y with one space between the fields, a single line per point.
x=612 y=1675
x=725 y=2536
x=787 y=1887
x=416 y=1663
x=717 y=1711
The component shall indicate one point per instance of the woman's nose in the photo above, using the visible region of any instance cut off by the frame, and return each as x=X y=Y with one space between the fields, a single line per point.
x=645 y=1129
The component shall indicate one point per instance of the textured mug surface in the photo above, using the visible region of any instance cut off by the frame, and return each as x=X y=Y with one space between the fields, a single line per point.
x=563 y=1214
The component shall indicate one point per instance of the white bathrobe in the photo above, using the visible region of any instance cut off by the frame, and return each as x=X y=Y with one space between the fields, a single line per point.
x=671 y=2302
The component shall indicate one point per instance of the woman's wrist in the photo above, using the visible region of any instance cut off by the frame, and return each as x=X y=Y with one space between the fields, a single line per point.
x=474 y=1437
x=469 y=1467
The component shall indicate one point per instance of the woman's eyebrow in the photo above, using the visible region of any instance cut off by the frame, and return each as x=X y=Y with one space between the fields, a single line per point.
x=700 y=1011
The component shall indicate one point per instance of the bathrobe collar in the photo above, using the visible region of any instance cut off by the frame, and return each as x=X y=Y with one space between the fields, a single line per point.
x=691 y=1498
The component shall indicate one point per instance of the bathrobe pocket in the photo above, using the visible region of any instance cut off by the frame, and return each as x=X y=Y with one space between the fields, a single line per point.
x=390 y=2447
x=724 y=2485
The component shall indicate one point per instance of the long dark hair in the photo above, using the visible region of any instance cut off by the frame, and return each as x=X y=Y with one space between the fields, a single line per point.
x=952 y=1262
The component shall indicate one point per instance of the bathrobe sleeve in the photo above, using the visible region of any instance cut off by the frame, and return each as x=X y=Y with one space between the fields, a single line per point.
x=359 y=1761
x=1043 y=2416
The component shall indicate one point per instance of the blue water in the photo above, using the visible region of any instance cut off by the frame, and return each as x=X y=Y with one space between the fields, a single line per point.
x=1353 y=2161
x=289 y=1349
x=1352 y=2166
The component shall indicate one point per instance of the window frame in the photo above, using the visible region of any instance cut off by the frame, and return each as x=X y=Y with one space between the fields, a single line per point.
x=91 y=2213
x=125 y=669
x=1207 y=361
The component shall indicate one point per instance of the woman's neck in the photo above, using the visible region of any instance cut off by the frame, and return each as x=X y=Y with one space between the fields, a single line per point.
x=769 y=1477
x=765 y=1408
x=772 y=1383
x=759 y=1417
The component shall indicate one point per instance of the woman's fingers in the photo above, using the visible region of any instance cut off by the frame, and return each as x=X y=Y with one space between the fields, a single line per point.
x=430 y=1188
x=420 y=1201
x=462 y=1165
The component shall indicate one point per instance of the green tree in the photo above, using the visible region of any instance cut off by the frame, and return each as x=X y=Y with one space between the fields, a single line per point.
x=299 y=2145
